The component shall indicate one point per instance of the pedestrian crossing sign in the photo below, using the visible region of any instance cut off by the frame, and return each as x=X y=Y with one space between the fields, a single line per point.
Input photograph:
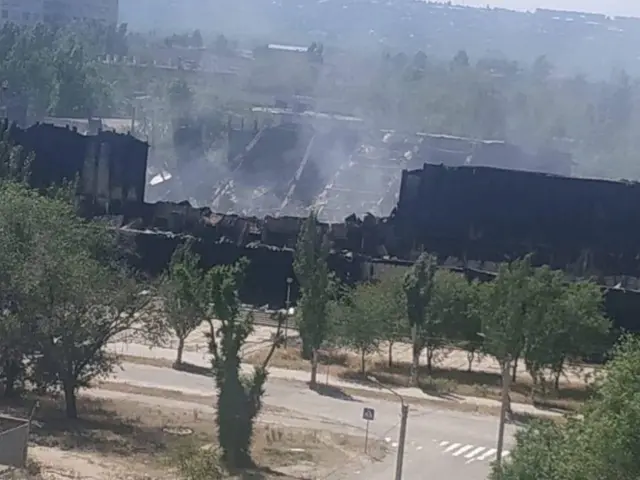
x=368 y=414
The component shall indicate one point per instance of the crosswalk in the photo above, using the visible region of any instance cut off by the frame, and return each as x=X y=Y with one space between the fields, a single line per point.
x=469 y=453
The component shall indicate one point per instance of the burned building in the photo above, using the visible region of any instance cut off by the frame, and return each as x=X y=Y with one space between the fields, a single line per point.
x=110 y=167
x=455 y=151
x=471 y=217
x=483 y=213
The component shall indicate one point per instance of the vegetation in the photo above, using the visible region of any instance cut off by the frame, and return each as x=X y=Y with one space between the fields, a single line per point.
x=56 y=70
x=312 y=272
x=418 y=288
x=602 y=444
x=239 y=400
x=64 y=295
x=182 y=292
x=526 y=314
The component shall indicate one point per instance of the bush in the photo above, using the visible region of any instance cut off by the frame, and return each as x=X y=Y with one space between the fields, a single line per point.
x=195 y=462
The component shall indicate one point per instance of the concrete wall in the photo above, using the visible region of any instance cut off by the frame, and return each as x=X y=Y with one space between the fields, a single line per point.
x=14 y=436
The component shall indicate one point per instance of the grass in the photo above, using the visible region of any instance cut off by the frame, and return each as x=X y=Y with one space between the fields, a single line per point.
x=125 y=438
x=445 y=382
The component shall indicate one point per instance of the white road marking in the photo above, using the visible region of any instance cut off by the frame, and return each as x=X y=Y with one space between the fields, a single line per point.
x=487 y=454
x=462 y=450
x=451 y=447
x=470 y=453
x=474 y=452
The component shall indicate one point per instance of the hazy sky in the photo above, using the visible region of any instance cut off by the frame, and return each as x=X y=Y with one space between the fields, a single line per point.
x=609 y=7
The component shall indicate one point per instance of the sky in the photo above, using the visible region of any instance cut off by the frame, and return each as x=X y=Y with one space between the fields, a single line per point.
x=609 y=7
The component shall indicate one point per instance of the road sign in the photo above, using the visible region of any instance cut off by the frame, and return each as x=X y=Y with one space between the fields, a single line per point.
x=368 y=414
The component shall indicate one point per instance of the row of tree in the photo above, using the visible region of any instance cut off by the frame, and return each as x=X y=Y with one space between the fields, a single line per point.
x=526 y=314
x=55 y=70
x=496 y=98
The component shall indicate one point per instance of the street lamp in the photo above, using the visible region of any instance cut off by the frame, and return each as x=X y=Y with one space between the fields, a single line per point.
x=504 y=405
x=289 y=310
x=404 y=414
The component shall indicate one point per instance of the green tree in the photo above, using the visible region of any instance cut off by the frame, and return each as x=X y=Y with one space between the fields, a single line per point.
x=73 y=302
x=584 y=330
x=469 y=324
x=239 y=398
x=393 y=309
x=312 y=272
x=566 y=323
x=447 y=306
x=542 y=323
x=508 y=304
x=418 y=287
x=359 y=320
x=603 y=444
x=182 y=291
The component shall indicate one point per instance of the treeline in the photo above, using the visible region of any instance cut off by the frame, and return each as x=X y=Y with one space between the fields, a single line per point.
x=526 y=314
x=55 y=70
x=495 y=98
x=531 y=316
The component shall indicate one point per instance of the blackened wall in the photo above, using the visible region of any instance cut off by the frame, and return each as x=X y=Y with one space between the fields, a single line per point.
x=494 y=214
x=111 y=167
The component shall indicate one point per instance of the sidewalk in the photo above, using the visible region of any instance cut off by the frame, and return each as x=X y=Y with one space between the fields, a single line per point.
x=202 y=359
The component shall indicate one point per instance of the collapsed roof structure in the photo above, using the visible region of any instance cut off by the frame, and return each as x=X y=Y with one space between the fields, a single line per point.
x=472 y=217
x=300 y=159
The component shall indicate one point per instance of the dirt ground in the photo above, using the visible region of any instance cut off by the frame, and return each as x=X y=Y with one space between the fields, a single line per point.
x=450 y=374
x=130 y=436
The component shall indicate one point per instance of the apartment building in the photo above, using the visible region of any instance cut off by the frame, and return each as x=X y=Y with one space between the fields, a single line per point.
x=29 y=12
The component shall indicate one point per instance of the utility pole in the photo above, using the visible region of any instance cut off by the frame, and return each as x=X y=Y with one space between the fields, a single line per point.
x=288 y=307
x=402 y=439
x=506 y=380
x=504 y=406
x=404 y=415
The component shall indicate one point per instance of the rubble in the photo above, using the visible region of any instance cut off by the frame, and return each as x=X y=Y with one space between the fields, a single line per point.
x=473 y=218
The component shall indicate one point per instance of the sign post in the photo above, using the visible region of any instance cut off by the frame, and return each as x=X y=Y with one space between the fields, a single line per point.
x=369 y=415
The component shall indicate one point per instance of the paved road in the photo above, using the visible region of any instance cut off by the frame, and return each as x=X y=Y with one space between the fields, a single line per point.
x=439 y=442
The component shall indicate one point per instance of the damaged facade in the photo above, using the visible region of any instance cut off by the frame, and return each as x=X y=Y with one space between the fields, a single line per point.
x=110 y=167
x=471 y=217
x=492 y=214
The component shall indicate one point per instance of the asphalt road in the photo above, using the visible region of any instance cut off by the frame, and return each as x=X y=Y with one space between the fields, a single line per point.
x=439 y=442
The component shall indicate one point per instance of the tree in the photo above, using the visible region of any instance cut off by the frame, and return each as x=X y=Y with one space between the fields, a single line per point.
x=418 y=288
x=312 y=272
x=393 y=309
x=566 y=323
x=196 y=39
x=447 y=305
x=585 y=331
x=74 y=298
x=239 y=399
x=469 y=325
x=182 y=294
x=460 y=60
x=358 y=320
x=546 y=289
x=508 y=303
x=603 y=444
x=180 y=98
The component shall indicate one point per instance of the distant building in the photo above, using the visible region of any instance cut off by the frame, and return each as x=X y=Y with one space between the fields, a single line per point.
x=30 y=12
